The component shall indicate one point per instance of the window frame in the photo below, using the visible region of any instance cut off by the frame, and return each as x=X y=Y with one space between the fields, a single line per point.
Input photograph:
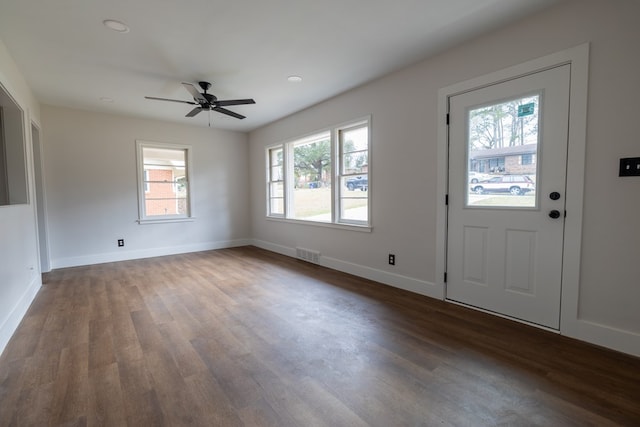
x=270 y=181
x=14 y=156
x=287 y=148
x=143 y=184
x=339 y=172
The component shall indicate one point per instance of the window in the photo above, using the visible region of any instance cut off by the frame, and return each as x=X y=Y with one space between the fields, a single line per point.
x=528 y=159
x=13 y=166
x=164 y=188
x=323 y=177
x=276 y=181
x=312 y=166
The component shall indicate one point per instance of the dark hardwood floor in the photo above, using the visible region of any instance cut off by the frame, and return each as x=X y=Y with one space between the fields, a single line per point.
x=247 y=337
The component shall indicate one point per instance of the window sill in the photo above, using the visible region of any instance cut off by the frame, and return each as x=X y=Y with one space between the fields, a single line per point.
x=164 y=220
x=339 y=226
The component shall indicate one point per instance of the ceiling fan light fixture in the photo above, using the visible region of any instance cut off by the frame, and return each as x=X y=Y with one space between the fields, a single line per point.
x=116 y=26
x=294 y=79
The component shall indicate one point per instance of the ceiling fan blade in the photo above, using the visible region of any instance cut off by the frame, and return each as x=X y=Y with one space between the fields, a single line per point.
x=234 y=102
x=172 y=100
x=228 y=113
x=194 y=112
x=194 y=92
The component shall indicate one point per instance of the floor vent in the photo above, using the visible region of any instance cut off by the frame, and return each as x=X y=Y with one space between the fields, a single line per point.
x=308 y=255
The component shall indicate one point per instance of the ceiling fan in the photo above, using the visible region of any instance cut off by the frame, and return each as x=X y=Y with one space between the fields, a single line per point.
x=207 y=102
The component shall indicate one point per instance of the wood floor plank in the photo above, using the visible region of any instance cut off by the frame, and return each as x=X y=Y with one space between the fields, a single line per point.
x=71 y=387
x=101 y=351
x=139 y=398
x=177 y=403
x=185 y=357
x=246 y=337
x=206 y=391
x=34 y=406
x=106 y=406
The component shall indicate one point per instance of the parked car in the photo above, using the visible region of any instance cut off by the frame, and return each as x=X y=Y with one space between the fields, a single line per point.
x=478 y=176
x=513 y=184
x=361 y=182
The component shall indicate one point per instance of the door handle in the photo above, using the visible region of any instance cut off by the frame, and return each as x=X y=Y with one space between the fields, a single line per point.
x=555 y=214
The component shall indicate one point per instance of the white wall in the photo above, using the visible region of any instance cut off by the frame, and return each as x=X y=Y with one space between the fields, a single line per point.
x=403 y=106
x=91 y=188
x=19 y=265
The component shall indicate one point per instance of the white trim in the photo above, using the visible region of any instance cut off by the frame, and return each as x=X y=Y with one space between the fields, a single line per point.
x=338 y=158
x=142 y=193
x=274 y=247
x=165 y=220
x=268 y=169
x=570 y=325
x=603 y=335
x=338 y=225
x=12 y=321
x=42 y=235
x=411 y=284
x=146 y=253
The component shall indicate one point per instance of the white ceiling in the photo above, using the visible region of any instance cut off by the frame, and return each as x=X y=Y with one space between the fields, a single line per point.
x=246 y=48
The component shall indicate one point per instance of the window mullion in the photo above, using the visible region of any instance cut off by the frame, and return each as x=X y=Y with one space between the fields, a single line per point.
x=335 y=177
x=289 y=175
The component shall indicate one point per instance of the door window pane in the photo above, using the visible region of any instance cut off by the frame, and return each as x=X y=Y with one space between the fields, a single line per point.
x=502 y=150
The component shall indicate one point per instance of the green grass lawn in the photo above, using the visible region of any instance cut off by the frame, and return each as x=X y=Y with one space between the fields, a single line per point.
x=527 y=200
x=309 y=202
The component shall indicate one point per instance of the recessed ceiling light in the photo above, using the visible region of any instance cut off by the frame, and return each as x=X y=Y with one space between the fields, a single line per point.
x=294 y=79
x=116 y=25
x=106 y=99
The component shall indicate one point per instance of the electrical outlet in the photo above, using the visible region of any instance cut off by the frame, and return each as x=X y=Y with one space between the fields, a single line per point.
x=629 y=166
x=392 y=259
x=120 y=243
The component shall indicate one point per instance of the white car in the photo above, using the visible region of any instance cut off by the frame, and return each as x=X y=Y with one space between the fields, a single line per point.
x=513 y=184
x=478 y=176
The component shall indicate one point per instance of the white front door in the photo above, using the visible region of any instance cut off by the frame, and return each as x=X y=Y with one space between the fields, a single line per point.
x=507 y=180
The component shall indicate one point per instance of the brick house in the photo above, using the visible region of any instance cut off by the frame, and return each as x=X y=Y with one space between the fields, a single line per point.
x=520 y=159
x=163 y=194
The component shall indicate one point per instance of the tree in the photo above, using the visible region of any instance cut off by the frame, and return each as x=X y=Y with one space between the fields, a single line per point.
x=311 y=160
x=502 y=125
x=354 y=159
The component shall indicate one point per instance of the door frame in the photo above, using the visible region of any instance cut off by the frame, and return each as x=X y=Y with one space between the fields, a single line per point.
x=578 y=58
x=39 y=198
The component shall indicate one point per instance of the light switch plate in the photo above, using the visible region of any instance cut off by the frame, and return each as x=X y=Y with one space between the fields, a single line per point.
x=629 y=166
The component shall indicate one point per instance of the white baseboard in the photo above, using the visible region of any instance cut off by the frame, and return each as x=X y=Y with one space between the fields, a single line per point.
x=282 y=250
x=10 y=324
x=145 y=253
x=411 y=284
x=603 y=335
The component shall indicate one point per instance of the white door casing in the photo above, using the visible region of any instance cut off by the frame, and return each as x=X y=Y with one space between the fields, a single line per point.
x=572 y=324
x=507 y=259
